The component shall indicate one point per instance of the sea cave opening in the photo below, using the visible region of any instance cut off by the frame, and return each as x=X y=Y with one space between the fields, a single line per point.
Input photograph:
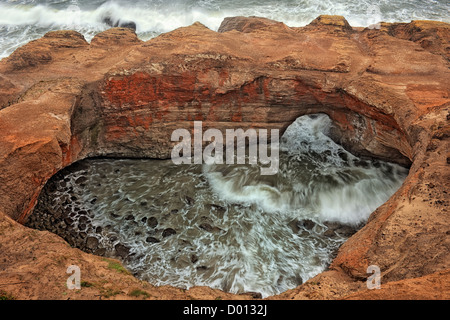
x=222 y=226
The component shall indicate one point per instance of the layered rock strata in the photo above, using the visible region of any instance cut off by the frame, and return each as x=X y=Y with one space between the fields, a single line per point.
x=387 y=90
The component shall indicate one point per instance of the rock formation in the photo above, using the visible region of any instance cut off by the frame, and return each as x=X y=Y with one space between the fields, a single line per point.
x=387 y=90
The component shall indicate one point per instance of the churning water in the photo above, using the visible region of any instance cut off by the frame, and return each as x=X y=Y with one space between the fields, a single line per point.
x=228 y=227
x=25 y=20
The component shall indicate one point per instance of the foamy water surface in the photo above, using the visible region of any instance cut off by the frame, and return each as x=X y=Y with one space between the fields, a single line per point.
x=228 y=227
x=25 y=20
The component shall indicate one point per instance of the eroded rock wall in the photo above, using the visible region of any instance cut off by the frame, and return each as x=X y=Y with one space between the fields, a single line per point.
x=387 y=91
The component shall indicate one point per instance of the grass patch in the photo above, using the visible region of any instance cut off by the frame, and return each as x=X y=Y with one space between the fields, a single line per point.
x=137 y=293
x=108 y=293
x=113 y=265
x=6 y=296
x=85 y=284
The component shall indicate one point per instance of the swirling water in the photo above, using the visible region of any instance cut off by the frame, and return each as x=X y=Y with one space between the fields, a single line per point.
x=227 y=226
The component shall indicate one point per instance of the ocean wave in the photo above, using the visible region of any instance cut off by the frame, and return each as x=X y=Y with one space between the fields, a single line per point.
x=155 y=20
x=23 y=21
x=152 y=16
x=318 y=178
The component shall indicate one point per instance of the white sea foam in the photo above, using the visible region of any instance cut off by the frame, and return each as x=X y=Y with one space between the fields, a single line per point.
x=318 y=178
x=258 y=244
x=165 y=16
x=22 y=21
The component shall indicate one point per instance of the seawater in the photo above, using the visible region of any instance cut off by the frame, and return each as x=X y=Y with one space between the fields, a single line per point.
x=24 y=20
x=228 y=227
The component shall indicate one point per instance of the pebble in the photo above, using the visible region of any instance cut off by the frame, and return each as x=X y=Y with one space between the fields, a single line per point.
x=168 y=232
x=202 y=268
x=122 y=250
x=307 y=224
x=100 y=252
x=339 y=229
x=152 y=222
x=152 y=240
x=194 y=258
x=92 y=243
x=207 y=227
x=81 y=180
x=189 y=200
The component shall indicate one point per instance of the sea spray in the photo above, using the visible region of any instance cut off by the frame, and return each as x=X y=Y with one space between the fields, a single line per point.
x=317 y=178
x=24 y=20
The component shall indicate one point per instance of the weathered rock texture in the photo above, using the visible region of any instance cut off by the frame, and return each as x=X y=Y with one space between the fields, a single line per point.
x=63 y=99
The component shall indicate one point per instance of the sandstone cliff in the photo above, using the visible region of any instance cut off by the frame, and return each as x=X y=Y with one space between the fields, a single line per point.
x=63 y=99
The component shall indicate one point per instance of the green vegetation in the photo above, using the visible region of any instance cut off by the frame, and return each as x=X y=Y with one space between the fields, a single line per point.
x=137 y=293
x=6 y=296
x=85 y=284
x=107 y=293
x=113 y=265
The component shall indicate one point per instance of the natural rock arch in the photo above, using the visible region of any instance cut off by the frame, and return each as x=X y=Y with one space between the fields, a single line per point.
x=66 y=100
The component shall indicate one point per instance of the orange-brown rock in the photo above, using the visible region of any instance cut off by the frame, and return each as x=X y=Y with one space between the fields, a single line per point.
x=244 y=24
x=63 y=99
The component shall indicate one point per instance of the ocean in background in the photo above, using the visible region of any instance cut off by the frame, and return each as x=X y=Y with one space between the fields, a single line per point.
x=24 y=20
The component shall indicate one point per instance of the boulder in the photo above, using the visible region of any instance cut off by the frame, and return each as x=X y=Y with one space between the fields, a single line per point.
x=92 y=243
x=168 y=232
x=121 y=250
x=152 y=240
x=152 y=222
x=119 y=23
